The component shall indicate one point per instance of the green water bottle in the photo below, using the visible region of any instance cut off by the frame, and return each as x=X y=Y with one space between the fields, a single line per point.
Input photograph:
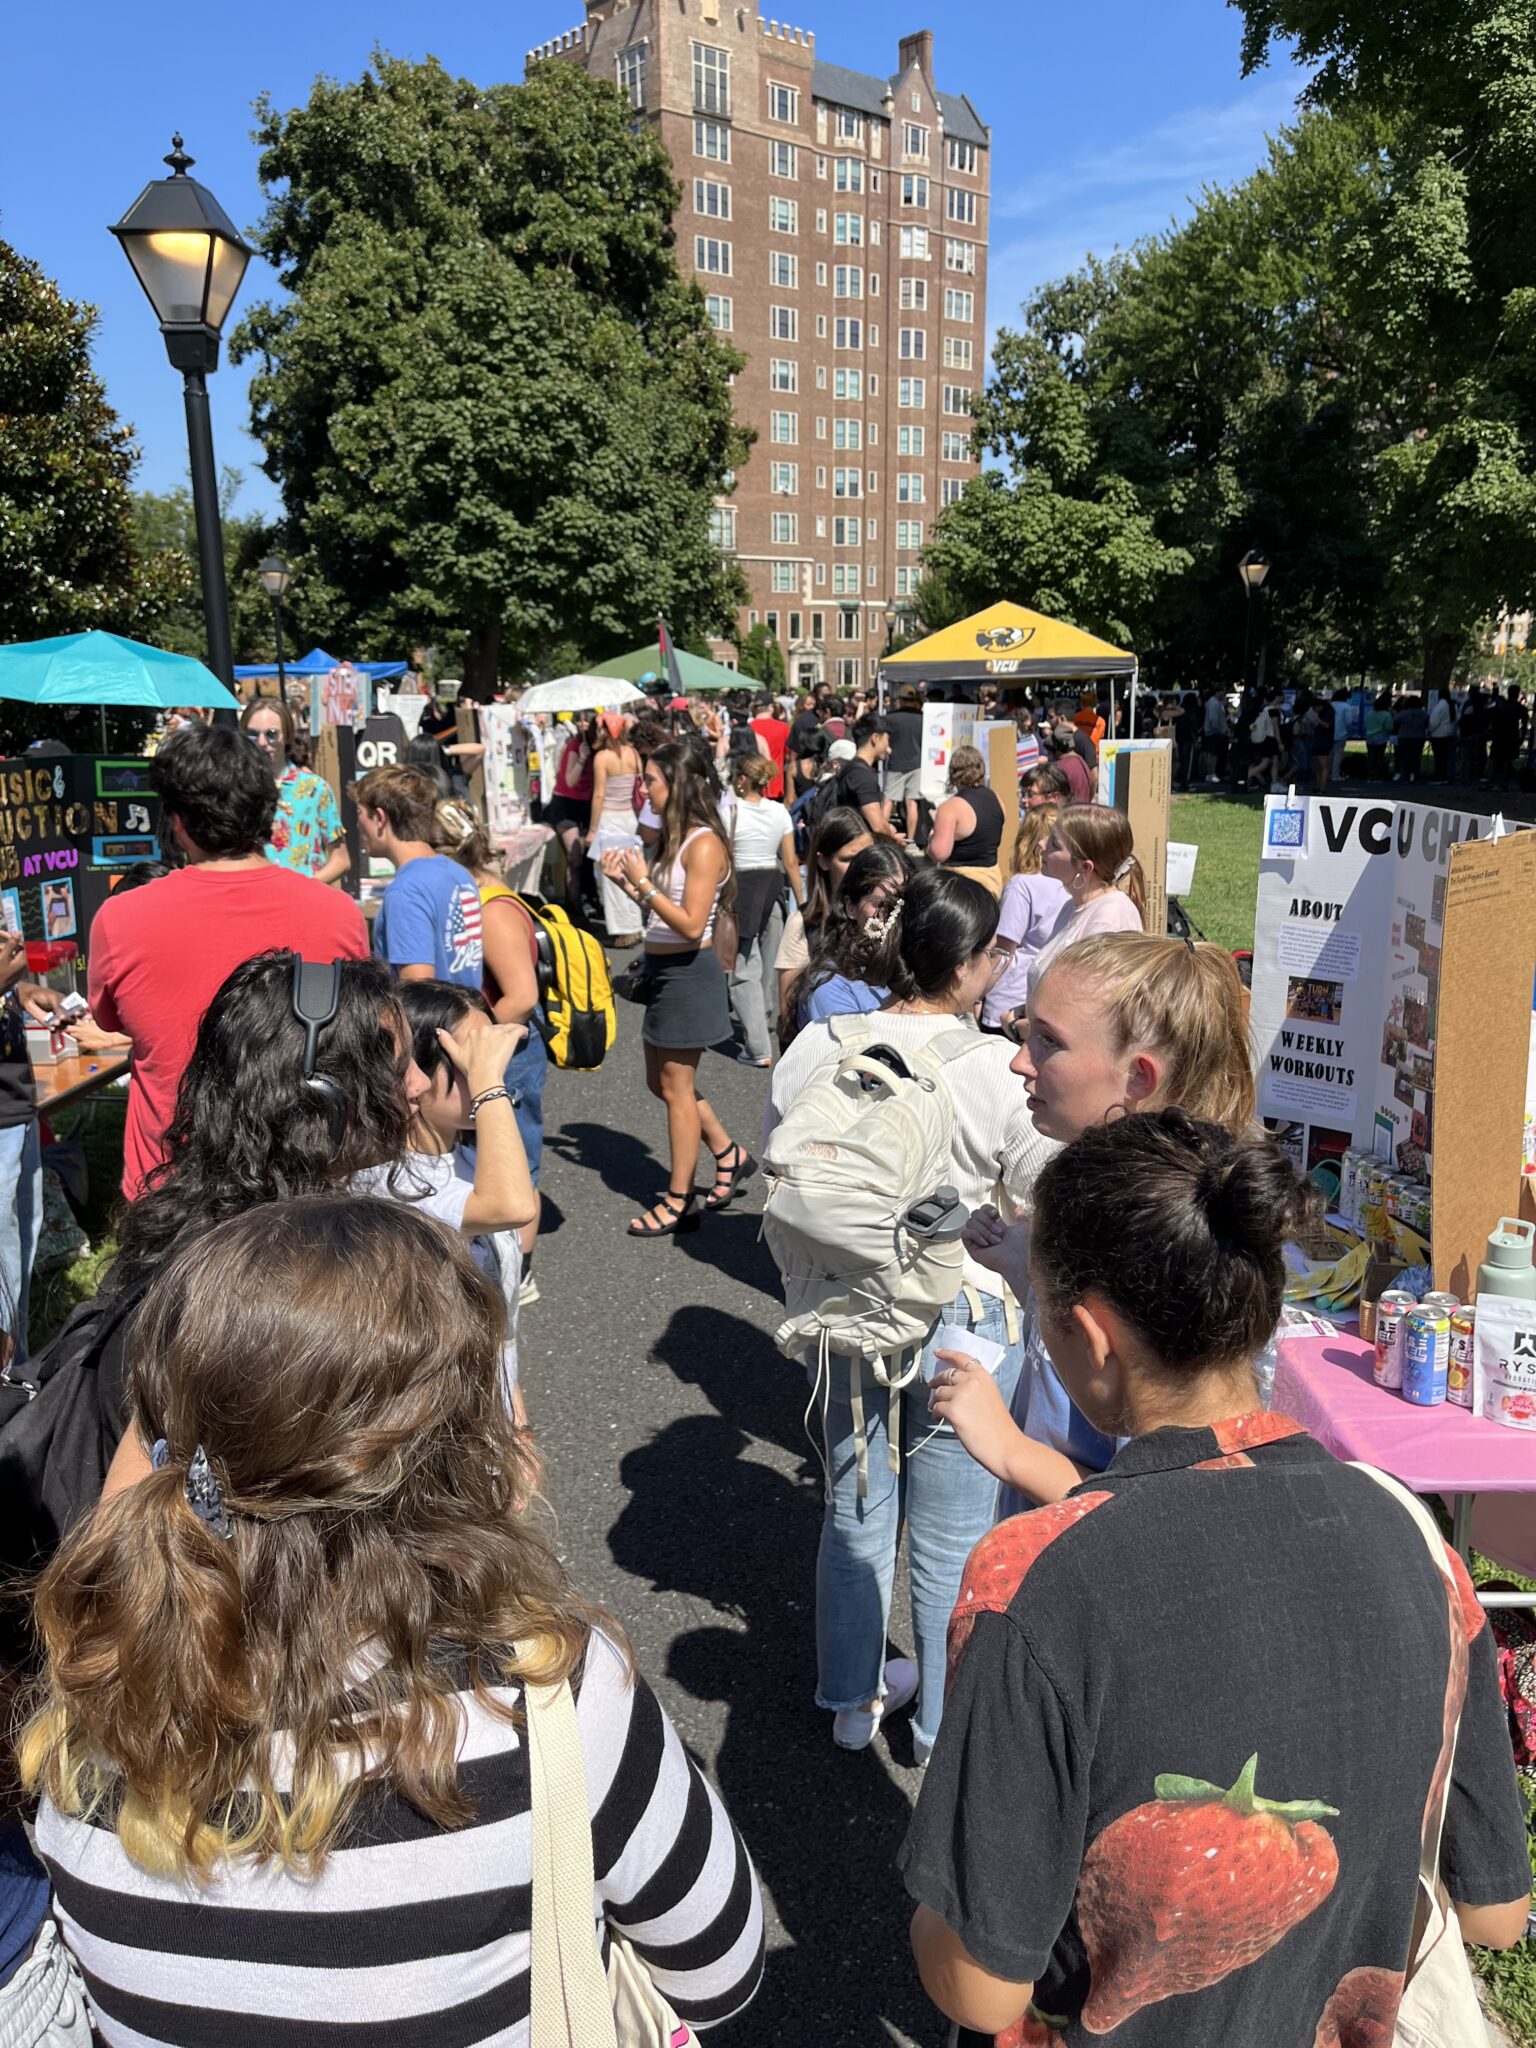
x=1508 y=1269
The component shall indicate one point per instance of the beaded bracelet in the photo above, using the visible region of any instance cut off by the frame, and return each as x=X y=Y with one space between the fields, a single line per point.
x=476 y=1102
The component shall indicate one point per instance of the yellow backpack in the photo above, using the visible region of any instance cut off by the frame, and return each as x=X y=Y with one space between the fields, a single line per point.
x=576 y=995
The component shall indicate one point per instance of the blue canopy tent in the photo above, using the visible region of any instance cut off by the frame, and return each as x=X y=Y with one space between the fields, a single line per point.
x=318 y=663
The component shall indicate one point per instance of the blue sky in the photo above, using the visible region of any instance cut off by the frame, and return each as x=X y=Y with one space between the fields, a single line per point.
x=1107 y=117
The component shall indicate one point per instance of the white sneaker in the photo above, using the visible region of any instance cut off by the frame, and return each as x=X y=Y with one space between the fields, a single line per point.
x=855 y=1729
x=529 y=1291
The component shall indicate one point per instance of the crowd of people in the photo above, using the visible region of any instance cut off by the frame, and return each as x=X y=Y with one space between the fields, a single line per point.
x=304 y=1635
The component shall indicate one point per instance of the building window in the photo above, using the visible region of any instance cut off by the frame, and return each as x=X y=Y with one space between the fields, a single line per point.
x=960 y=206
x=771 y=621
x=850 y=126
x=821 y=326
x=914 y=294
x=848 y=384
x=712 y=256
x=821 y=167
x=958 y=352
x=849 y=625
x=912 y=393
x=847 y=483
x=784 y=427
x=821 y=376
x=845 y=580
x=848 y=230
x=917 y=101
x=846 y=533
x=794 y=625
x=914 y=139
x=906 y=582
x=783 y=270
x=909 y=533
x=784 y=478
x=914 y=344
x=722 y=526
x=821 y=274
x=909 y=487
x=951 y=490
x=784 y=216
x=847 y=433
x=957 y=398
x=784 y=578
x=821 y=478
x=960 y=256
x=848 y=673
x=958 y=304
x=783 y=104
x=849 y=176
x=914 y=189
x=783 y=160
x=719 y=311
x=957 y=447
x=914 y=245
x=819 y=619
x=711 y=79
x=631 y=75
x=712 y=139
x=712 y=198
x=784 y=323
x=848 y=281
x=783 y=375
x=909 y=440
x=847 y=334
x=784 y=529
x=962 y=156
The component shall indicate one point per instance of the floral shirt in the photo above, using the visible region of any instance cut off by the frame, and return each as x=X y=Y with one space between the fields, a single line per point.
x=1199 y=1712
x=307 y=827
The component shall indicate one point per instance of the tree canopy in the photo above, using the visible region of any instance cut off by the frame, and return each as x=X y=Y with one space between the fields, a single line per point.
x=492 y=404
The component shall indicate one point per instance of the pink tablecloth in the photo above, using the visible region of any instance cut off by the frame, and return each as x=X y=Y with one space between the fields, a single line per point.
x=1326 y=1383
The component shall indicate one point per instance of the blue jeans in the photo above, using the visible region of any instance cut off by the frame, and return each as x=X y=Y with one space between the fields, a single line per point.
x=948 y=1503
x=21 y=1222
x=525 y=1077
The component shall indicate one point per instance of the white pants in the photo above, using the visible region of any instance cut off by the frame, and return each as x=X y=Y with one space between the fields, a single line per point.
x=621 y=913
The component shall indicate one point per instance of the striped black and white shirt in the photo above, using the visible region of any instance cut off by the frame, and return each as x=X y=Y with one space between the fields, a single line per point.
x=416 y=1936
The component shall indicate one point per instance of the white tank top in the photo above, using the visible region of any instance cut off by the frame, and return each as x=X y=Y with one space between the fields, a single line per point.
x=670 y=882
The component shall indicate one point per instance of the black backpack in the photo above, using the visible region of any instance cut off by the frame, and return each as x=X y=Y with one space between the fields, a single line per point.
x=60 y=1421
x=808 y=811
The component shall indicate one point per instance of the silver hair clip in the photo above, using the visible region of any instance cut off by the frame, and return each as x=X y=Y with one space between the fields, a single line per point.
x=1125 y=867
x=202 y=1489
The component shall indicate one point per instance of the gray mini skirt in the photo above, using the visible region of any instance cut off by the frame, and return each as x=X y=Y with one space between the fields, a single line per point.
x=686 y=1004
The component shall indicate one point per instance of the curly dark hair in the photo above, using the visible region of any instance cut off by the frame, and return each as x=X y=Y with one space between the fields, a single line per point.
x=841 y=945
x=246 y=1130
x=215 y=781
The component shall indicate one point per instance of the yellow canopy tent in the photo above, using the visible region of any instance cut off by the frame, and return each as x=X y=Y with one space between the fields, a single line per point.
x=1008 y=643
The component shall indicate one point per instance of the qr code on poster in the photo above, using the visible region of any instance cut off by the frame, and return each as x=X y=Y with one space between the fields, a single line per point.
x=1287 y=830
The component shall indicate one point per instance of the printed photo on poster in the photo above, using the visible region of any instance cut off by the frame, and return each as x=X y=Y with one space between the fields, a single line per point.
x=1317 y=1002
x=10 y=911
x=59 y=910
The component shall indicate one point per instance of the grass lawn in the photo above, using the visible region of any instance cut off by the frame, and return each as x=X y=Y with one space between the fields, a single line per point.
x=1226 y=829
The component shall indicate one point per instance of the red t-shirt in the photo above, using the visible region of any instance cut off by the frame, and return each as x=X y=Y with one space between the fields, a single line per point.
x=1075 y=768
x=160 y=954
x=774 y=734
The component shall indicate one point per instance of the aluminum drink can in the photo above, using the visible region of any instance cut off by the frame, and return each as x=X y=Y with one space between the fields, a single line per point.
x=1391 y=1316
x=1446 y=1303
x=1349 y=1186
x=1458 y=1378
x=1426 y=1356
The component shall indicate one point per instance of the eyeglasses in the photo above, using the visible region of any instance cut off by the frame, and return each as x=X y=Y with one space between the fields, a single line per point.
x=266 y=737
x=997 y=958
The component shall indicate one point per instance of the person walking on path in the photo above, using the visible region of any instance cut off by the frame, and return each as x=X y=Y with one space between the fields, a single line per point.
x=615 y=779
x=428 y=925
x=159 y=955
x=686 y=1007
x=764 y=858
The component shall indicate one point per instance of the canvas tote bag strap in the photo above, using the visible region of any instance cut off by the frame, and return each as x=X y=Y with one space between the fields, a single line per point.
x=571 y=2003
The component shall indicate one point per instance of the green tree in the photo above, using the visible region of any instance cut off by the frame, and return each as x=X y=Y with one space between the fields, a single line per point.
x=68 y=555
x=165 y=523
x=492 y=404
x=761 y=658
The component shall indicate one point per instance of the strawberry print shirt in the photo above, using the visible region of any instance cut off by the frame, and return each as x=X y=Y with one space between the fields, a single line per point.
x=1194 y=1716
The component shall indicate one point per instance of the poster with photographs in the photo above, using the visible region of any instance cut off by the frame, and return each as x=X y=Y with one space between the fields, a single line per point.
x=1346 y=973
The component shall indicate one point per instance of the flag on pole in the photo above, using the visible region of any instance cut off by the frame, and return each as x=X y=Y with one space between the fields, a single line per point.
x=669 y=665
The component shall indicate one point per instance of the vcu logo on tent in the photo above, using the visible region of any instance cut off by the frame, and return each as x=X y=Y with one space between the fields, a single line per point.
x=1001 y=637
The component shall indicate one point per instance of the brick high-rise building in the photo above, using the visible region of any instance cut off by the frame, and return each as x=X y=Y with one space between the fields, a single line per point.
x=838 y=224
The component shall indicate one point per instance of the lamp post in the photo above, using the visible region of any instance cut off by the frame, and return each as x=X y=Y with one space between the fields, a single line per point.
x=189 y=257
x=1252 y=570
x=891 y=615
x=275 y=577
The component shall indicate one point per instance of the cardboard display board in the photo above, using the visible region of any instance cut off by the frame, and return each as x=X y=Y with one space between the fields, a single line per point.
x=1140 y=783
x=70 y=824
x=945 y=727
x=1482 y=1049
x=1003 y=777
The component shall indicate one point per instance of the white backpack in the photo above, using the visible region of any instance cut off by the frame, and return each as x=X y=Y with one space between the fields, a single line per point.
x=861 y=1216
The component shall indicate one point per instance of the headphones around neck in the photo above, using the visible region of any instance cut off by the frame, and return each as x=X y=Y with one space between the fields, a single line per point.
x=316 y=999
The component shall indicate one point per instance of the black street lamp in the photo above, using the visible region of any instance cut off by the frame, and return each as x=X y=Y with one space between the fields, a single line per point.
x=189 y=257
x=891 y=615
x=1252 y=570
x=275 y=577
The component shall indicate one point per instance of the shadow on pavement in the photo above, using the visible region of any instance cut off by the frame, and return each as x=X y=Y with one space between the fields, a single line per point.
x=823 y=1826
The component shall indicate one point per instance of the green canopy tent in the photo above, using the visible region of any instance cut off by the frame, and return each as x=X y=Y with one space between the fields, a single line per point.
x=697 y=673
